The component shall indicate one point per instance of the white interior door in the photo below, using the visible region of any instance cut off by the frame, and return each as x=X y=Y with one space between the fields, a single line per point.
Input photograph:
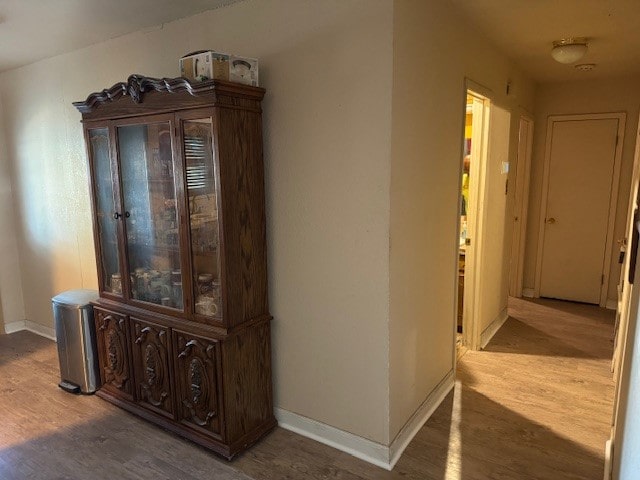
x=493 y=268
x=581 y=163
x=480 y=109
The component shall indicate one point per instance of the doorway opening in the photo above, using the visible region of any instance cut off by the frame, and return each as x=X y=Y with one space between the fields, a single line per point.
x=473 y=167
x=483 y=242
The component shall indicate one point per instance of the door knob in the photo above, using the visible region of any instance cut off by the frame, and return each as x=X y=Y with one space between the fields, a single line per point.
x=551 y=220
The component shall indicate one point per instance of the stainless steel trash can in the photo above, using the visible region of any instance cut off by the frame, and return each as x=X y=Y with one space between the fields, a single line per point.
x=76 y=337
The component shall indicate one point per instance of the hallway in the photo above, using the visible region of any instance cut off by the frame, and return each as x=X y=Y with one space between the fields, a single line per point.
x=536 y=404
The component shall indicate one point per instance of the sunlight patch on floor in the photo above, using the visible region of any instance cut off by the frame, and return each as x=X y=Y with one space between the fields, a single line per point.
x=454 y=453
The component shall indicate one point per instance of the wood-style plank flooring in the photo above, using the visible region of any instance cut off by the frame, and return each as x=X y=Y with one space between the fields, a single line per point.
x=536 y=404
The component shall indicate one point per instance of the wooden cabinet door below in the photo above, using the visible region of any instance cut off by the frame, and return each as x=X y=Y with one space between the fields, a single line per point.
x=197 y=368
x=113 y=352
x=151 y=366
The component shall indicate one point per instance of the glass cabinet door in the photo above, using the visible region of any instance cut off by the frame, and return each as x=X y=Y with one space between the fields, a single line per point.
x=203 y=216
x=107 y=225
x=151 y=218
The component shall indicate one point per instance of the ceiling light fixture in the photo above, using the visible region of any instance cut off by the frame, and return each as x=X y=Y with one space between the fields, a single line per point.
x=569 y=50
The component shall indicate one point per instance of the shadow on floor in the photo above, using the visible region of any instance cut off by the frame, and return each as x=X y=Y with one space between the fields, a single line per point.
x=114 y=446
x=471 y=437
x=564 y=313
x=24 y=346
x=555 y=328
x=518 y=337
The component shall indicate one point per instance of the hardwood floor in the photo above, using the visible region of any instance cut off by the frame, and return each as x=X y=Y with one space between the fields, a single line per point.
x=536 y=404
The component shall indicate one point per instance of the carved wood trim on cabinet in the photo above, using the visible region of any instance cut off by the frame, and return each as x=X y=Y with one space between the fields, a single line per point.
x=113 y=352
x=197 y=371
x=151 y=354
x=158 y=95
x=136 y=86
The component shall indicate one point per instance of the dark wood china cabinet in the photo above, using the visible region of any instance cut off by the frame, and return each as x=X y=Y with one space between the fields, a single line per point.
x=182 y=322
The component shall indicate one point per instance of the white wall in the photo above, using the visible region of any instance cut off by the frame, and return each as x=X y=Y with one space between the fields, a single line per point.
x=434 y=50
x=626 y=427
x=327 y=68
x=601 y=96
x=11 y=300
x=626 y=449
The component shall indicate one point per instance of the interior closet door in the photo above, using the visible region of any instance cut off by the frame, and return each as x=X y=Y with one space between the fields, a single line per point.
x=580 y=173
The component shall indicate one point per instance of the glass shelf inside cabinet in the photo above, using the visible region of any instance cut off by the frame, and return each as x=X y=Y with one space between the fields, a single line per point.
x=105 y=209
x=151 y=218
x=203 y=216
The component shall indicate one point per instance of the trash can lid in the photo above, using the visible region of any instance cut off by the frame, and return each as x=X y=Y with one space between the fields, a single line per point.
x=76 y=297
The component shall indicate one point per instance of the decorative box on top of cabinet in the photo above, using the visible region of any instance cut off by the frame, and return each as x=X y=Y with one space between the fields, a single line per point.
x=177 y=189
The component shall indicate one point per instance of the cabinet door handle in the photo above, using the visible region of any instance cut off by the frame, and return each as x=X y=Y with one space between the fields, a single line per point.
x=143 y=334
x=187 y=348
x=127 y=214
x=117 y=215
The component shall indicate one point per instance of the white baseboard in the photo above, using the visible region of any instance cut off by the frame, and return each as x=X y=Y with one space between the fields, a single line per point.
x=372 y=452
x=528 y=292
x=32 y=327
x=13 y=327
x=359 y=447
x=607 y=459
x=611 y=304
x=420 y=417
x=492 y=329
x=41 y=330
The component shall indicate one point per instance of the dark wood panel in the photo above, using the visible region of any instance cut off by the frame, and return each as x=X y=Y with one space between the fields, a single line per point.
x=151 y=366
x=113 y=353
x=197 y=371
x=247 y=383
x=243 y=237
x=164 y=318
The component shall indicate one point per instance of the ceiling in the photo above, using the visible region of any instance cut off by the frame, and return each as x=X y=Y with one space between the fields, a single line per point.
x=31 y=30
x=525 y=29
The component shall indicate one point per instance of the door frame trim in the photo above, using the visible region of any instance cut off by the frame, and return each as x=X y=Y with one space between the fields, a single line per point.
x=522 y=183
x=613 y=200
x=626 y=324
